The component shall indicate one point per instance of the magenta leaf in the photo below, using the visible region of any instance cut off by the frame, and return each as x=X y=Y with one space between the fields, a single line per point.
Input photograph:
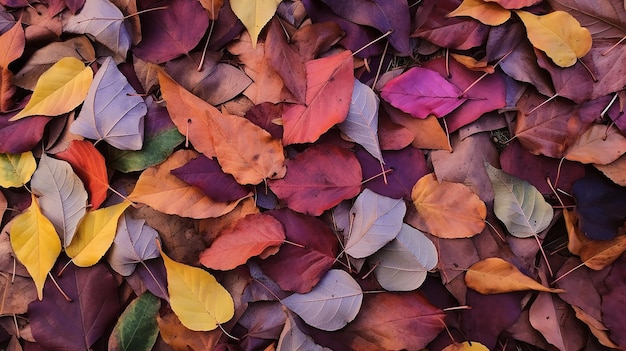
x=58 y=324
x=422 y=92
x=21 y=135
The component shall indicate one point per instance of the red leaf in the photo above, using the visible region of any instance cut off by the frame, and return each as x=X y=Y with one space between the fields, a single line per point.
x=90 y=167
x=329 y=82
x=318 y=179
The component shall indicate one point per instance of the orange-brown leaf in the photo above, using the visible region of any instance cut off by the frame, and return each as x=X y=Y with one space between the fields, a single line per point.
x=445 y=209
x=488 y=13
x=251 y=236
x=576 y=238
x=12 y=44
x=428 y=132
x=7 y=89
x=598 y=254
x=599 y=144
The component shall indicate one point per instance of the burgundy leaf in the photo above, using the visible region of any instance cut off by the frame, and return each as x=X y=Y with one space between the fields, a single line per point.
x=21 y=135
x=263 y=116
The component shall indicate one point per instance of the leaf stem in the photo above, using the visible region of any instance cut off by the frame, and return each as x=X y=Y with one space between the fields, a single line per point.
x=543 y=103
x=380 y=64
x=206 y=45
x=156 y=281
x=67 y=298
x=614 y=46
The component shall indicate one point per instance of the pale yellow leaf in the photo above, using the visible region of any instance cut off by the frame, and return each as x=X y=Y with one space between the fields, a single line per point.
x=254 y=14
x=16 y=170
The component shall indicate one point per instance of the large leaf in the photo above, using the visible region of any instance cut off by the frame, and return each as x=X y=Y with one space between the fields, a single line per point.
x=62 y=196
x=402 y=264
x=134 y=242
x=35 y=243
x=361 y=125
x=332 y=304
x=199 y=301
x=59 y=90
x=16 y=170
x=112 y=110
x=95 y=235
x=71 y=325
x=254 y=14
x=518 y=204
x=376 y=220
x=103 y=21
x=137 y=328
x=22 y=135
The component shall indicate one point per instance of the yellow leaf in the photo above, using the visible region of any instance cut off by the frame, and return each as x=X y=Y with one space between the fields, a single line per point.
x=35 y=243
x=95 y=235
x=254 y=14
x=59 y=90
x=489 y=13
x=16 y=170
x=199 y=301
x=558 y=34
x=466 y=346
x=494 y=275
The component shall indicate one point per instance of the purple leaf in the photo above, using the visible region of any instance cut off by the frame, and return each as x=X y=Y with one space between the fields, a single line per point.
x=21 y=135
x=207 y=175
x=422 y=92
x=58 y=324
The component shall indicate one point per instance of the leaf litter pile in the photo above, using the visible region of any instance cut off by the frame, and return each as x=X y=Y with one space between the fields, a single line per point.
x=312 y=175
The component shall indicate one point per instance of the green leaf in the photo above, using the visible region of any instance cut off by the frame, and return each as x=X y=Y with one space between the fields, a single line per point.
x=518 y=204
x=137 y=328
x=16 y=170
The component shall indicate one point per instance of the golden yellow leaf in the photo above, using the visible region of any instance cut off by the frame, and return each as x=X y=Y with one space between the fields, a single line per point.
x=598 y=254
x=199 y=301
x=558 y=34
x=466 y=346
x=254 y=14
x=59 y=90
x=445 y=209
x=35 y=243
x=489 y=13
x=95 y=235
x=159 y=189
x=16 y=170
x=494 y=275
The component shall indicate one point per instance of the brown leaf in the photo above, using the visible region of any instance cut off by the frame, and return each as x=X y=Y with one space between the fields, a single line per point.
x=285 y=59
x=317 y=38
x=616 y=170
x=179 y=338
x=427 y=132
x=598 y=254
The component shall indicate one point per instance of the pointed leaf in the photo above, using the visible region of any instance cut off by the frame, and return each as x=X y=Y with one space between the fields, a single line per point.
x=361 y=125
x=11 y=44
x=254 y=14
x=35 y=243
x=518 y=204
x=59 y=90
x=422 y=92
x=137 y=328
x=89 y=165
x=558 y=34
x=251 y=236
x=293 y=339
x=134 y=242
x=599 y=144
x=112 y=110
x=103 y=21
x=402 y=264
x=447 y=210
x=199 y=301
x=598 y=254
x=494 y=275
x=376 y=220
x=16 y=170
x=332 y=304
x=63 y=198
x=488 y=13
x=95 y=235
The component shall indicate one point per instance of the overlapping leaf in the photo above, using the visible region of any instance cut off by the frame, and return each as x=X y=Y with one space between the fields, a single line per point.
x=599 y=144
x=293 y=339
x=134 y=242
x=137 y=327
x=489 y=13
x=16 y=170
x=254 y=14
x=11 y=48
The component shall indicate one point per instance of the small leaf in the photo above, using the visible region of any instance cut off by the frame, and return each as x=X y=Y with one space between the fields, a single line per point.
x=488 y=13
x=518 y=204
x=466 y=346
x=254 y=14
x=134 y=242
x=95 y=235
x=332 y=304
x=376 y=221
x=199 y=301
x=402 y=265
x=59 y=90
x=558 y=34
x=137 y=328
x=35 y=243
x=16 y=170
x=494 y=275
x=293 y=339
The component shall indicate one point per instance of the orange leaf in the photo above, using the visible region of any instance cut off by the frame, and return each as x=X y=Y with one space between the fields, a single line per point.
x=599 y=144
x=329 y=83
x=90 y=167
x=251 y=236
x=494 y=275
x=488 y=13
x=7 y=89
x=576 y=238
x=428 y=132
x=166 y=193
x=598 y=254
x=12 y=44
x=445 y=209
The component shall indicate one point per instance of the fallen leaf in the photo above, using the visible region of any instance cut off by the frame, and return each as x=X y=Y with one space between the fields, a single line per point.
x=112 y=110
x=16 y=170
x=254 y=15
x=293 y=339
x=134 y=243
x=515 y=4
x=334 y=302
x=597 y=328
x=445 y=209
x=556 y=322
x=199 y=301
x=489 y=13
x=518 y=204
x=286 y=60
x=599 y=254
x=137 y=328
x=11 y=46
x=22 y=135
x=466 y=346
x=558 y=34
x=252 y=236
x=494 y=275
x=428 y=133
x=615 y=171
x=35 y=243
x=599 y=145
x=180 y=338
x=59 y=90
